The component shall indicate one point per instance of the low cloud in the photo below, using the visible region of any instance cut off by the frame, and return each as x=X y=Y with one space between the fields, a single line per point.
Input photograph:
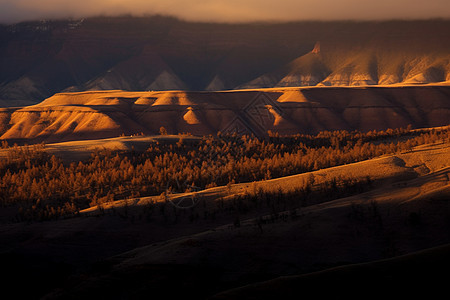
x=228 y=10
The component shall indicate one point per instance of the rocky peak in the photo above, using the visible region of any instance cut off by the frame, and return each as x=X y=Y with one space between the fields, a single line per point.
x=316 y=49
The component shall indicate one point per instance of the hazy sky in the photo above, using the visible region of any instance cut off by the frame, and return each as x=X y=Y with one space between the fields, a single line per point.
x=228 y=10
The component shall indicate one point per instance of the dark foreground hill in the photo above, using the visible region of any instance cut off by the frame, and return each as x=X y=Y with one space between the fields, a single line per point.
x=39 y=59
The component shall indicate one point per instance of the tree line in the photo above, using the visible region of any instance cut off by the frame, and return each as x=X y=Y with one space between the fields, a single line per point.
x=45 y=187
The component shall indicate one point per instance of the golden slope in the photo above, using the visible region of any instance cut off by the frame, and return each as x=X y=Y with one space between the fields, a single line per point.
x=85 y=115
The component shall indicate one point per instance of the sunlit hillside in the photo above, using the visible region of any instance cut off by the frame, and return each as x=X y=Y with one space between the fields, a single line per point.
x=38 y=60
x=106 y=114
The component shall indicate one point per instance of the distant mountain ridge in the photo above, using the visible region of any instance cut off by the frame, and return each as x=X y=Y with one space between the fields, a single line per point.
x=39 y=59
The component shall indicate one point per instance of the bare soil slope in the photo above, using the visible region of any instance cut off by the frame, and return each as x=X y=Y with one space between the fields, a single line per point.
x=104 y=114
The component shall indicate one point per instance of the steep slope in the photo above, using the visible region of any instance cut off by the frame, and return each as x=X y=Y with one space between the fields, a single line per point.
x=39 y=59
x=307 y=70
x=146 y=71
x=97 y=114
x=336 y=64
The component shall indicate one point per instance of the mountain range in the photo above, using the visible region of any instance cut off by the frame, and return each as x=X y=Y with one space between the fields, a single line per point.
x=41 y=58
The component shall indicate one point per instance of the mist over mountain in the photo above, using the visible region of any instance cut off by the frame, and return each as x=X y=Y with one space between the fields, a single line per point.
x=41 y=58
x=12 y=11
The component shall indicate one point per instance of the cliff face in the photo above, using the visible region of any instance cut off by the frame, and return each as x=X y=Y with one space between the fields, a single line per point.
x=87 y=115
x=39 y=59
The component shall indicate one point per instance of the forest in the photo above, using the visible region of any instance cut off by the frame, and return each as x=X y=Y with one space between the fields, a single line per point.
x=44 y=187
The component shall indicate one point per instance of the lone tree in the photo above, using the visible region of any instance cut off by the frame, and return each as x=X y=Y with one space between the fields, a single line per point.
x=162 y=131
